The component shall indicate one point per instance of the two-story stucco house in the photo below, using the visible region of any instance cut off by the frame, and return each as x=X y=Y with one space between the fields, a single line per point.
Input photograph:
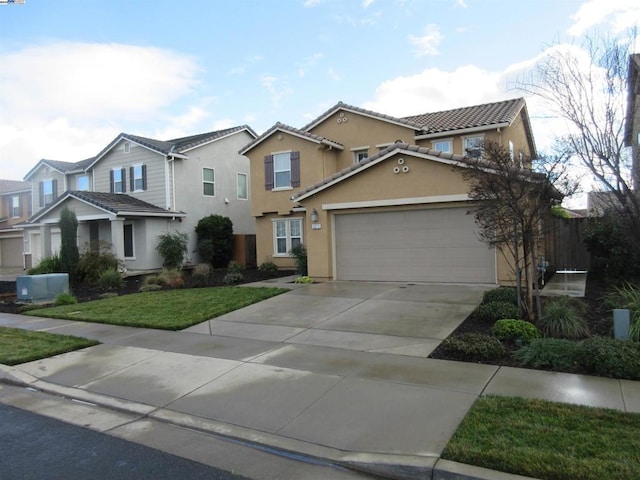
x=15 y=207
x=374 y=197
x=137 y=188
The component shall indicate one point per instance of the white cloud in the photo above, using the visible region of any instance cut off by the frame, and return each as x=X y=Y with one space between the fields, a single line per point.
x=428 y=43
x=334 y=75
x=461 y=4
x=67 y=100
x=275 y=87
x=620 y=14
x=367 y=3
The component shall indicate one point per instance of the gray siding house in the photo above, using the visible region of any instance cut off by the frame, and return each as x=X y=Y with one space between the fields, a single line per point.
x=137 y=188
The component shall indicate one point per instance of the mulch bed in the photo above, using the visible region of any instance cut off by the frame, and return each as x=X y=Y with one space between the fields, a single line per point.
x=85 y=293
x=598 y=318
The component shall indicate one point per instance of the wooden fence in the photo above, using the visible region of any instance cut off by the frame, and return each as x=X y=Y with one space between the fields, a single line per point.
x=564 y=244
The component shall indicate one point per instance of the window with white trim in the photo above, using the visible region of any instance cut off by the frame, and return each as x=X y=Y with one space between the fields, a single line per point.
x=287 y=234
x=442 y=145
x=15 y=206
x=82 y=183
x=360 y=155
x=208 y=182
x=137 y=178
x=473 y=146
x=129 y=251
x=243 y=192
x=118 y=180
x=47 y=194
x=282 y=170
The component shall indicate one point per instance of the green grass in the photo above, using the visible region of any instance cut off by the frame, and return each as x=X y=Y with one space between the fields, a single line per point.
x=548 y=440
x=166 y=309
x=19 y=346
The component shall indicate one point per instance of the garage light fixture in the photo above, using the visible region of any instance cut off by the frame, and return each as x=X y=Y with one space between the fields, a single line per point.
x=314 y=215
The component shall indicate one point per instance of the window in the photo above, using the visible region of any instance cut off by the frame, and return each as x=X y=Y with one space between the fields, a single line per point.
x=442 y=145
x=243 y=193
x=473 y=146
x=118 y=180
x=128 y=241
x=360 y=155
x=16 y=211
x=287 y=234
x=48 y=192
x=83 y=183
x=138 y=176
x=282 y=170
x=208 y=182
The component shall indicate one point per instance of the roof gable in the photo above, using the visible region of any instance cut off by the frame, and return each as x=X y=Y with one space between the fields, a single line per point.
x=281 y=127
x=360 y=111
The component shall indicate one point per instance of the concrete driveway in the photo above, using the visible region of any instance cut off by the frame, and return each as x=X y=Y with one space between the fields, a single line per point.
x=396 y=318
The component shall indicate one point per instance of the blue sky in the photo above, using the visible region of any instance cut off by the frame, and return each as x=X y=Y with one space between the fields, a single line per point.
x=73 y=74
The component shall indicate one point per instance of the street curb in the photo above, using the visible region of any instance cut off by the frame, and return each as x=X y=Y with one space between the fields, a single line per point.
x=392 y=466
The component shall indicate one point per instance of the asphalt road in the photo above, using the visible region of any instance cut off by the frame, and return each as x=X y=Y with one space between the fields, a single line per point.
x=37 y=447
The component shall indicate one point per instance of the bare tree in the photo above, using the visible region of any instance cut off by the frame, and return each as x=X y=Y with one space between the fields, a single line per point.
x=511 y=205
x=587 y=86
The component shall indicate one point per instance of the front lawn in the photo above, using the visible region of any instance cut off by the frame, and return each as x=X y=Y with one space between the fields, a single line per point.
x=547 y=440
x=20 y=346
x=166 y=309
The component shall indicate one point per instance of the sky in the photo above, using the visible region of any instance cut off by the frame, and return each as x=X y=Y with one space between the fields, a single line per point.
x=76 y=73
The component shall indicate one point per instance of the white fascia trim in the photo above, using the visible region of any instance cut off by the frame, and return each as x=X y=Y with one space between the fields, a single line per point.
x=216 y=139
x=364 y=147
x=463 y=131
x=395 y=202
x=86 y=218
x=148 y=214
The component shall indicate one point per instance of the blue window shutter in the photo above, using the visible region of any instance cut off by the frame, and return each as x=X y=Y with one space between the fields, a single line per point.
x=41 y=193
x=295 y=169
x=268 y=172
x=144 y=177
x=124 y=180
x=132 y=180
x=111 y=183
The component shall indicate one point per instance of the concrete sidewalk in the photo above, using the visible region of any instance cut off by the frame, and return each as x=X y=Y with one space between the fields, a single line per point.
x=297 y=386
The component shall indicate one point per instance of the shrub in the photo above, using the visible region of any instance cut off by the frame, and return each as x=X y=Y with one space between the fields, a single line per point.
x=200 y=275
x=553 y=353
x=518 y=330
x=66 y=298
x=173 y=247
x=608 y=357
x=171 y=278
x=473 y=347
x=49 y=264
x=303 y=279
x=562 y=318
x=215 y=240
x=69 y=254
x=95 y=259
x=627 y=296
x=502 y=294
x=110 y=280
x=150 y=287
x=233 y=278
x=268 y=268
x=300 y=254
x=235 y=267
x=152 y=279
x=492 y=311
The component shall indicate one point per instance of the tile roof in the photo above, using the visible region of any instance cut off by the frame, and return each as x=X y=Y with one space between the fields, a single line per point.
x=13 y=186
x=186 y=143
x=341 y=105
x=468 y=117
x=118 y=202
x=286 y=128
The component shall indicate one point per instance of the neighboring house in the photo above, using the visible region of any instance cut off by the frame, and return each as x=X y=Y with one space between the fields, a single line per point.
x=374 y=197
x=632 y=120
x=137 y=188
x=15 y=207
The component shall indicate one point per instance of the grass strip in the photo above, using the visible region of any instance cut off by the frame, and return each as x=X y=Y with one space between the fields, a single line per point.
x=20 y=346
x=165 y=309
x=548 y=440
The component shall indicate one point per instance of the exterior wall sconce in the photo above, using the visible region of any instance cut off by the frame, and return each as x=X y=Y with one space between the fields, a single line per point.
x=314 y=215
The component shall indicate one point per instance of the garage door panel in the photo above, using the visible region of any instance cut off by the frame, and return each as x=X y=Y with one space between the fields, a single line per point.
x=436 y=245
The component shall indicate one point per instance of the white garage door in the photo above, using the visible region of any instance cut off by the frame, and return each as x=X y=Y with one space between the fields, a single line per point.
x=439 y=245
